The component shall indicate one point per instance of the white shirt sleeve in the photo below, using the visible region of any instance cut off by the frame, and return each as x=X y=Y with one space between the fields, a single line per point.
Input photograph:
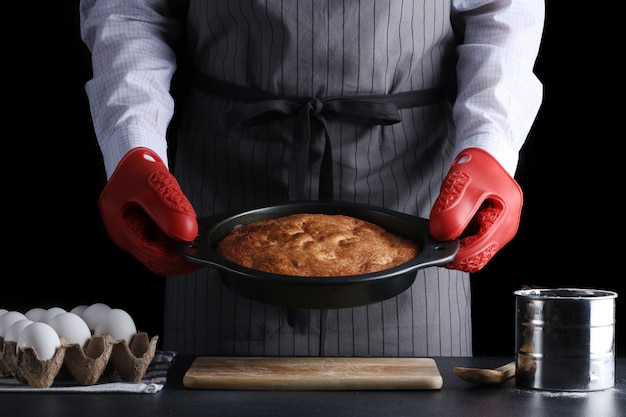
x=499 y=95
x=133 y=62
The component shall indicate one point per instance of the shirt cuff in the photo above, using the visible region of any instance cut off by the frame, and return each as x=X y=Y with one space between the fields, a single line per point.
x=127 y=138
x=502 y=151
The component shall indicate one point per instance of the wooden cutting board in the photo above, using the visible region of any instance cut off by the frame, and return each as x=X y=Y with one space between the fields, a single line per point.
x=312 y=373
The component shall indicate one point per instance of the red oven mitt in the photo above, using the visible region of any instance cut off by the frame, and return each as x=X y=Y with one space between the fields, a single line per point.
x=145 y=212
x=481 y=204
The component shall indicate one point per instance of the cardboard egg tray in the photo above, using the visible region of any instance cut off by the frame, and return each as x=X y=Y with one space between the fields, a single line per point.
x=101 y=355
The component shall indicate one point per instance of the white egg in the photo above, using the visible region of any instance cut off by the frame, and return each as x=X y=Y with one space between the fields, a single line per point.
x=41 y=337
x=78 y=310
x=15 y=329
x=3 y=310
x=35 y=313
x=47 y=315
x=118 y=323
x=8 y=318
x=71 y=327
x=94 y=313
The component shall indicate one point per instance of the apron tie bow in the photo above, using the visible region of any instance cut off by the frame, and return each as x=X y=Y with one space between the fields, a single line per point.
x=311 y=154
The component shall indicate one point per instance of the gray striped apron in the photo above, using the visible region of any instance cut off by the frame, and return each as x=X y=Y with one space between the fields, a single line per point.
x=313 y=51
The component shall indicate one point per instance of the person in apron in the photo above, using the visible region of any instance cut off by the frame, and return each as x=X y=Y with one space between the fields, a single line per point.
x=357 y=101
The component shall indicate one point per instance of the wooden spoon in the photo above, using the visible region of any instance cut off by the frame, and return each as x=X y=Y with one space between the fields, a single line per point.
x=486 y=376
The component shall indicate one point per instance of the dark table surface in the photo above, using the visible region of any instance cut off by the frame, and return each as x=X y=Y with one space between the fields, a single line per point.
x=455 y=398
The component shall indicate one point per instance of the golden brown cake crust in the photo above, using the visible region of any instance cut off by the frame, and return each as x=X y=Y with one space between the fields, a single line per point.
x=316 y=245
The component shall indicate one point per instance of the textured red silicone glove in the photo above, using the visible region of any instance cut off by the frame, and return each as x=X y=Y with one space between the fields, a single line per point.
x=145 y=212
x=480 y=203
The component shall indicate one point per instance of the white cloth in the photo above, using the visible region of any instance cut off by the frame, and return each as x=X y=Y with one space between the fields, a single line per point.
x=499 y=95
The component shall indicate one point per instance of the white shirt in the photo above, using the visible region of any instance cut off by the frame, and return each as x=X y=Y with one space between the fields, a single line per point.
x=133 y=63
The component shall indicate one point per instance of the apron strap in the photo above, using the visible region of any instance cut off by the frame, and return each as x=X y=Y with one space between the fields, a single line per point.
x=262 y=107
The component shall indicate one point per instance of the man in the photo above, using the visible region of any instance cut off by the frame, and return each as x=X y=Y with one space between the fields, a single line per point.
x=419 y=107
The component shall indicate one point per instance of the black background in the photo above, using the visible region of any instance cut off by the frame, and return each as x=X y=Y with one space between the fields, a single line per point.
x=59 y=254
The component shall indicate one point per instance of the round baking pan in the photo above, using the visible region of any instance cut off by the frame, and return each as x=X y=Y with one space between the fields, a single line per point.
x=318 y=292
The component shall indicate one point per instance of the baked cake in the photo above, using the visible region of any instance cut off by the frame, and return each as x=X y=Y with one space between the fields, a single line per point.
x=316 y=245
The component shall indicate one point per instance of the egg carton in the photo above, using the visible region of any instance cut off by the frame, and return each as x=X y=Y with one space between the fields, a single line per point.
x=101 y=355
